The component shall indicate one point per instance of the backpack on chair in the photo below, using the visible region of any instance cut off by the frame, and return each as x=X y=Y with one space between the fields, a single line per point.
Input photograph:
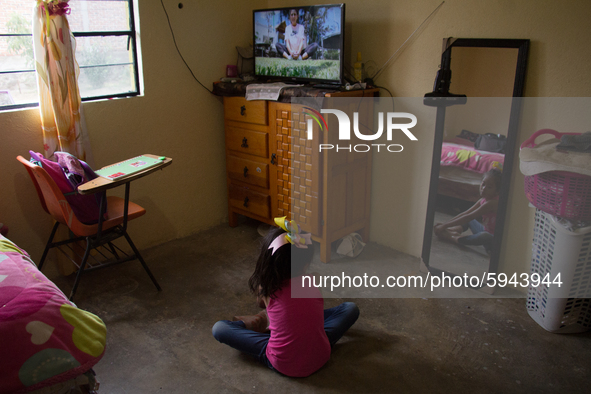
x=68 y=173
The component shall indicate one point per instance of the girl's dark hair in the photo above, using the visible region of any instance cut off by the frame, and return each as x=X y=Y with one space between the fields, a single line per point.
x=272 y=270
x=496 y=175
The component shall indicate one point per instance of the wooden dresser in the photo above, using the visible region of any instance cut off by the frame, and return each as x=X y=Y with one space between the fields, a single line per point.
x=273 y=170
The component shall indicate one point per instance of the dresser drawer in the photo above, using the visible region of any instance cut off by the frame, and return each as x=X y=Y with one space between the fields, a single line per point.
x=248 y=200
x=247 y=141
x=241 y=110
x=249 y=171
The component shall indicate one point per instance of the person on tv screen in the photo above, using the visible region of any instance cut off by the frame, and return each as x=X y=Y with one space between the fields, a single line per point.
x=295 y=40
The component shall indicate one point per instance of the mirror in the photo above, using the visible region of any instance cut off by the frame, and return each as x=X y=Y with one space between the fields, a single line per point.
x=485 y=76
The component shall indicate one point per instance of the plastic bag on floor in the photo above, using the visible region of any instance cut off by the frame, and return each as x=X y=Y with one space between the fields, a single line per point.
x=351 y=245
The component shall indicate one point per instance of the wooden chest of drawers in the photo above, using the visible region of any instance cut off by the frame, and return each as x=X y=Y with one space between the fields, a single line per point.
x=273 y=170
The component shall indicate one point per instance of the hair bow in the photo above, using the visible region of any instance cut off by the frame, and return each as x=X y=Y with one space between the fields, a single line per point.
x=292 y=235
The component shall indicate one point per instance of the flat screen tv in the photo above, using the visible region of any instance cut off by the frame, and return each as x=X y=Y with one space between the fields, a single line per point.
x=300 y=44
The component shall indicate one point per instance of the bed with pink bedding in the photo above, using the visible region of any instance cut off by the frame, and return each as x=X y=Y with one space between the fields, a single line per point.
x=47 y=344
x=462 y=167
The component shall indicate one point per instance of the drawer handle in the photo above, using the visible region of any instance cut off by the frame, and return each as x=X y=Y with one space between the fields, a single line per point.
x=243 y=110
x=273 y=157
x=246 y=202
x=245 y=171
x=244 y=143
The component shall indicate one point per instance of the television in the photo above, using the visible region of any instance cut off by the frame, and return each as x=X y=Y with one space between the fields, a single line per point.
x=300 y=44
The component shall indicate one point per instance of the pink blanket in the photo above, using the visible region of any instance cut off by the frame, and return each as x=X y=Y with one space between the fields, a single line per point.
x=45 y=338
x=467 y=157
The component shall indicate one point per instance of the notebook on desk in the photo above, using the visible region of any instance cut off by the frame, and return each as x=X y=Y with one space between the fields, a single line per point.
x=128 y=167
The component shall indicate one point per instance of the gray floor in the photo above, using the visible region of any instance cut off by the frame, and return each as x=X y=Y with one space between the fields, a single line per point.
x=161 y=342
x=455 y=258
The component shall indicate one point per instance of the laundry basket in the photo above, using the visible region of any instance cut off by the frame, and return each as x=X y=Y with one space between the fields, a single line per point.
x=560 y=253
x=561 y=193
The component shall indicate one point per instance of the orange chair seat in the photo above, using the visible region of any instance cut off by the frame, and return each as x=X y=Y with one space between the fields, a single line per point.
x=115 y=206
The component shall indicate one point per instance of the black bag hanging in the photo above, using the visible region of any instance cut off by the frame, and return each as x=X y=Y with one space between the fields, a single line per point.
x=491 y=142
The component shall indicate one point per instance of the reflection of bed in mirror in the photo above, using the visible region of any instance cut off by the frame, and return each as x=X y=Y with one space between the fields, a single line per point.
x=462 y=168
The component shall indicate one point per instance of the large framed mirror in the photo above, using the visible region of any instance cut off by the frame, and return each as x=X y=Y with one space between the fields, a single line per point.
x=476 y=94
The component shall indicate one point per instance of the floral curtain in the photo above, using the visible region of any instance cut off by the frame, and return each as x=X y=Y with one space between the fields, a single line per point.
x=57 y=80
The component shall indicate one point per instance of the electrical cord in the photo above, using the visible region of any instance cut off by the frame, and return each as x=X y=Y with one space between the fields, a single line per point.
x=390 y=93
x=383 y=88
x=178 y=50
x=359 y=105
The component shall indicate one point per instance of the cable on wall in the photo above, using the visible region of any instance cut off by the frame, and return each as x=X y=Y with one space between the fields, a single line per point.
x=375 y=76
x=390 y=93
x=178 y=50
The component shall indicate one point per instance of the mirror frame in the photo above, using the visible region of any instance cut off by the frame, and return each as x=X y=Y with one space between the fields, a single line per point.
x=520 y=71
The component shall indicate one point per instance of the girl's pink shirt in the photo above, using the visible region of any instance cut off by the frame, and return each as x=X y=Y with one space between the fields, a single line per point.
x=489 y=220
x=298 y=345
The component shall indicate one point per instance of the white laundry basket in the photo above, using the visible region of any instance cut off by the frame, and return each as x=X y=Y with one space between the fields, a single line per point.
x=559 y=251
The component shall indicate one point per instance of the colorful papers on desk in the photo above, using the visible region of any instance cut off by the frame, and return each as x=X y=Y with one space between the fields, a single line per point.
x=128 y=167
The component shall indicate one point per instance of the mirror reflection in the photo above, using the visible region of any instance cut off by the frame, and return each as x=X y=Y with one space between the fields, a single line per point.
x=473 y=154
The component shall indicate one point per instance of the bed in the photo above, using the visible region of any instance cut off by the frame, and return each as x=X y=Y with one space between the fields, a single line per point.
x=48 y=345
x=462 y=167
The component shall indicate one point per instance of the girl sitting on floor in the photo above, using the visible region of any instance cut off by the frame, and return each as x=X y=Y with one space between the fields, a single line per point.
x=484 y=210
x=294 y=336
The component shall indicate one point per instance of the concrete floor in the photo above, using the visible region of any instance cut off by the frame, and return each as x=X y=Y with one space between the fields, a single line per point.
x=161 y=342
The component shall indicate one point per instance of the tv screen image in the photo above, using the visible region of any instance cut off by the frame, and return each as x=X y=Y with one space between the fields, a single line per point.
x=300 y=43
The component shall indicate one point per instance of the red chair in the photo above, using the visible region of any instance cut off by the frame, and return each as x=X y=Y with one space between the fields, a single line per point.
x=100 y=235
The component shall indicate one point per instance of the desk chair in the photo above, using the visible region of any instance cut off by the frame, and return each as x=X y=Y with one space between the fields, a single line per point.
x=97 y=236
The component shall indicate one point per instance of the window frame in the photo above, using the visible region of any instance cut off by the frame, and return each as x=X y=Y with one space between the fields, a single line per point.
x=131 y=43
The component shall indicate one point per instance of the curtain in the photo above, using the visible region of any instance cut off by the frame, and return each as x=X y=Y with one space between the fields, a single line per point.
x=57 y=80
x=62 y=120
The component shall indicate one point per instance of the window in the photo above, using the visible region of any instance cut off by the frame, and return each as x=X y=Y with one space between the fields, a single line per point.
x=106 y=51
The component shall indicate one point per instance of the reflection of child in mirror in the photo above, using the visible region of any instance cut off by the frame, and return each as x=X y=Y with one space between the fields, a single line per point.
x=480 y=218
